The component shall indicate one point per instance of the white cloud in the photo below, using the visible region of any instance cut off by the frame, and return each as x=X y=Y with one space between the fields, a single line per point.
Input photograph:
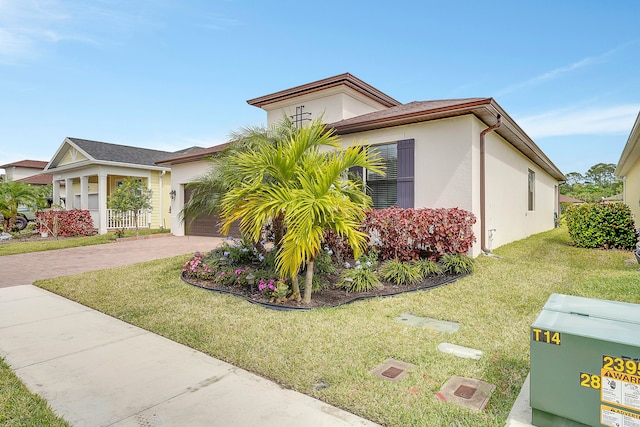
x=560 y=71
x=572 y=121
x=27 y=26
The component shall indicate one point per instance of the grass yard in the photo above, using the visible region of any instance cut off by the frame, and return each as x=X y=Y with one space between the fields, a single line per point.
x=18 y=407
x=339 y=346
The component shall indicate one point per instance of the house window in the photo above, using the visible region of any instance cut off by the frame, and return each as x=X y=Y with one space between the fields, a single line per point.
x=531 y=190
x=395 y=188
x=383 y=189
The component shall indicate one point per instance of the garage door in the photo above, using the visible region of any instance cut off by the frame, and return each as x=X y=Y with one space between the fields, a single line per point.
x=206 y=226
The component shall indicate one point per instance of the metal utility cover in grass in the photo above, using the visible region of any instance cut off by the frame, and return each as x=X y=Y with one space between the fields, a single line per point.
x=393 y=370
x=460 y=351
x=467 y=392
x=426 y=322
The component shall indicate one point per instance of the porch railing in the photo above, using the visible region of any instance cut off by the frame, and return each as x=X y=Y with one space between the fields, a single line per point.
x=126 y=220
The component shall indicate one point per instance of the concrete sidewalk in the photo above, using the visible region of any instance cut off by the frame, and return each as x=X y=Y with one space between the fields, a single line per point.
x=95 y=370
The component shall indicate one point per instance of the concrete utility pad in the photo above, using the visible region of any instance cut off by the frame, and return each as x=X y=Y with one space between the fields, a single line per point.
x=467 y=392
x=393 y=370
x=460 y=351
x=426 y=322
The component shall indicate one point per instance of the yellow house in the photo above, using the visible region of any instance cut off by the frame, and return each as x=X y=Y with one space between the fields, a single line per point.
x=86 y=172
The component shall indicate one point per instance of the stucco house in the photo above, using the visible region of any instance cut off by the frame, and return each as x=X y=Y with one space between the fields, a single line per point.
x=22 y=169
x=466 y=153
x=628 y=168
x=85 y=173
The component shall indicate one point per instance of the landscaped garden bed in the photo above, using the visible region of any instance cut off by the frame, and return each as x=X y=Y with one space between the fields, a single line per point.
x=238 y=268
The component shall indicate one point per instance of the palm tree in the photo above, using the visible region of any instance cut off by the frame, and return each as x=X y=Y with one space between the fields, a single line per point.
x=302 y=182
x=12 y=195
x=226 y=173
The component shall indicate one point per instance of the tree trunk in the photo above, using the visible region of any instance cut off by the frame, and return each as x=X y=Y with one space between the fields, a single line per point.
x=295 y=287
x=308 y=284
x=260 y=248
x=278 y=229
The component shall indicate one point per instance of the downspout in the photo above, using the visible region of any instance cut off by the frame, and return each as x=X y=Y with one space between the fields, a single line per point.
x=483 y=231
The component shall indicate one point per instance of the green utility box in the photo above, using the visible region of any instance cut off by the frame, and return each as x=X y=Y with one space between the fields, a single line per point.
x=585 y=363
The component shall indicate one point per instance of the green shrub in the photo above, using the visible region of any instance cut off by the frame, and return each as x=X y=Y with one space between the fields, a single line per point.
x=359 y=280
x=601 y=225
x=318 y=283
x=323 y=263
x=457 y=263
x=370 y=259
x=429 y=268
x=401 y=273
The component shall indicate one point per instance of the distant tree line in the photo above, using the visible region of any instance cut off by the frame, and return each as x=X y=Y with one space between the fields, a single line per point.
x=597 y=183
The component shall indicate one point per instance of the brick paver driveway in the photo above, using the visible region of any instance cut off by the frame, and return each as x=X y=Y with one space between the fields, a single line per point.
x=24 y=269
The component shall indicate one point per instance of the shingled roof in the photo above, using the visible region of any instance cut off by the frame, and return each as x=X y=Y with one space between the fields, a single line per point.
x=107 y=152
x=32 y=164
x=412 y=112
x=193 y=155
x=486 y=109
x=39 y=179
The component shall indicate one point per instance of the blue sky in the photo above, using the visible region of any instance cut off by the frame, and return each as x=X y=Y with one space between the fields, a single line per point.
x=169 y=74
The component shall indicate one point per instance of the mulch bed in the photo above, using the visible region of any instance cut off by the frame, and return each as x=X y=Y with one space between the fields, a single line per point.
x=329 y=297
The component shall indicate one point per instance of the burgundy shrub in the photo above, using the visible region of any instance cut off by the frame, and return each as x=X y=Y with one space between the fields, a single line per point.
x=75 y=222
x=410 y=234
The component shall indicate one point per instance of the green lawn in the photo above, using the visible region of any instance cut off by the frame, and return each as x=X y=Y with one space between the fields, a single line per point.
x=18 y=407
x=36 y=245
x=339 y=346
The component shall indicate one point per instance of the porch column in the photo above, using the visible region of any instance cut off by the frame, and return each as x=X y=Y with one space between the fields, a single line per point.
x=84 y=192
x=56 y=192
x=68 y=189
x=102 y=203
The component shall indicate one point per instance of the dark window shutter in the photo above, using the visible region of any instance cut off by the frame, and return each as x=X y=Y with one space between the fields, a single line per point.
x=405 y=173
x=357 y=170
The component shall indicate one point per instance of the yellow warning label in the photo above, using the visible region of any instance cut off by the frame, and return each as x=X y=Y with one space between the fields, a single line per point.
x=620 y=389
x=616 y=417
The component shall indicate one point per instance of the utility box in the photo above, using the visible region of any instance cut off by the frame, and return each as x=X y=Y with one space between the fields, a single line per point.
x=585 y=363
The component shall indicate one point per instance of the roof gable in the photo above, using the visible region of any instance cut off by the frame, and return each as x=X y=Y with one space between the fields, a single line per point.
x=77 y=152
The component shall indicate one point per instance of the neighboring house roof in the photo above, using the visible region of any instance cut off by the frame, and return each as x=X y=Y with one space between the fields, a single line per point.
x=631 y=152
x=614 y=198
x=107 y=153
x=30 y=164
x=566 y=199
x=193 y=155
x=345 y=79
x=119 y=153
x=39 y=179
x=486 y=109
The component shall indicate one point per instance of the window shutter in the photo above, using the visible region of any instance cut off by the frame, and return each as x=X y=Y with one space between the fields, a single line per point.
x=357 y=170
x=405 y=173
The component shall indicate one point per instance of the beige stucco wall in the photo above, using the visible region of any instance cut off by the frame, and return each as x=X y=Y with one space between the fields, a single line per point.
x=507 y=215
x=447 y=175
x=182 y=174
x=15 y=173
x=632 y=191
x=332 y=104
